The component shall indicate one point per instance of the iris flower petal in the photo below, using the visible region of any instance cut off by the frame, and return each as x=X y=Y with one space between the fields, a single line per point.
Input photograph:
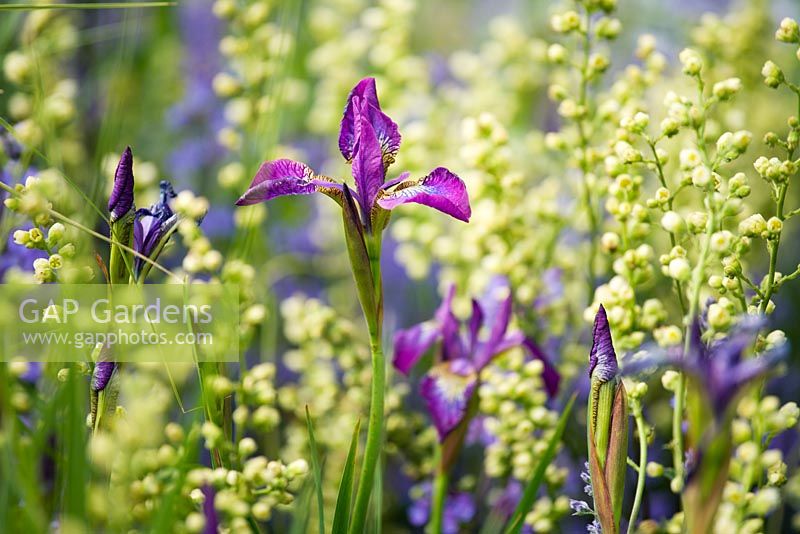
x=411 y=344
x=447 y=389
x=364 y=96
x=441 y=190
x=278 y=178
x=368 y=170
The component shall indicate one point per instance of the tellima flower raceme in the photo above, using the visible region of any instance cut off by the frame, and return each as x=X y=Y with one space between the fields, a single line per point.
x=607 y=427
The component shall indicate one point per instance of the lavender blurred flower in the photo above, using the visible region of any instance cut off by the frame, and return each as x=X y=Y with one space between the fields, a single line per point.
x=719 y=374
x=459 y=510
x=449 y=385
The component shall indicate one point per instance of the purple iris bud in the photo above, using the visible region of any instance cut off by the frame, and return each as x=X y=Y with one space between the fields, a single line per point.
x=602 y=358
x=369 y=140
x=121 y=200
x=102 y=375
x=466 y=349
x=151 y=225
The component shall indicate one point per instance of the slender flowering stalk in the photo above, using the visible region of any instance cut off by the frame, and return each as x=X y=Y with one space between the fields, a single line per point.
x=369 y=141
x=607 y=427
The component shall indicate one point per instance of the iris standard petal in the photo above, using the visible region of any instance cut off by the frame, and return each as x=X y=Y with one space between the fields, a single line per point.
x=441 y=190
x=602 y=358
x=364 y=97
x=447 y=389
x=278 y=178
x=368 y=170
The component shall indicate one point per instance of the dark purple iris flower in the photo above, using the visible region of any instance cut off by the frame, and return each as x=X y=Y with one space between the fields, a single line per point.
x=151 y=225
x=720 y=369
x=449 y=384
x=369 y=140
x=121 y=200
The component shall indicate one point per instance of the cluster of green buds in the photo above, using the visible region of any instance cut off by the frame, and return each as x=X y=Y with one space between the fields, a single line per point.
x=607 y=425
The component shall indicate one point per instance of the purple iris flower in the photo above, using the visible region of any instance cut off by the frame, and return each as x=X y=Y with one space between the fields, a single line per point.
x=151 y=225
x=369 y=140
x=121 y=200
x=720 y=369
x=448 y=386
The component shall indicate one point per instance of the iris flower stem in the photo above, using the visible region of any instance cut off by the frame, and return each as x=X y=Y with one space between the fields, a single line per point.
x=439 y=496
x=374 y=443
x=374 y=438
x=636 y=408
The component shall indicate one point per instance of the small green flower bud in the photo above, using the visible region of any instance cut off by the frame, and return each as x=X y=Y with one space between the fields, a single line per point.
x=773 y=75
x=788 y=31
x=690 y=59
x=669 y=127
x=654 y=469
x=727 y=88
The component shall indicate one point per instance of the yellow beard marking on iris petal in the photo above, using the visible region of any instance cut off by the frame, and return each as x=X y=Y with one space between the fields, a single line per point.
x=451 y=386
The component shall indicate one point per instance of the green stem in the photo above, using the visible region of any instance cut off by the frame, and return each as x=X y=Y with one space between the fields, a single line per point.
x=374 y=438
x=637 y=501
x=586 y=192
x=439 y=497
x=372 y=450
x=694 y=303
x=773 y=251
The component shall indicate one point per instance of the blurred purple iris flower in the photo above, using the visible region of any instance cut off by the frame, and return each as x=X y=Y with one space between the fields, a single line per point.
x=720 y=369
x=459 y=510
x=369 y=140
x=152 y=225
x=448 y=386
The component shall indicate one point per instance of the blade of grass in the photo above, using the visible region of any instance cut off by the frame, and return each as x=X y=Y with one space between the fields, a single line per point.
x=341 y=517
x=316 y=467
x=529 y=496
x=84 y=5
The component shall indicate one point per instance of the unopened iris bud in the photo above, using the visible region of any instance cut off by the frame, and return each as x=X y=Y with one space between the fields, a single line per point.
x=607 y=426
x=121 y=200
